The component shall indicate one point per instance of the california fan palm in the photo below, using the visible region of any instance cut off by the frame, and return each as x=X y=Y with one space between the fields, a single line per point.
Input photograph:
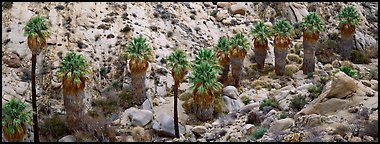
x=72 y=71
x=261 y=33
x=37 y=31
x=139 y=55
x=179 y=65
x=239 y=47
x=311 y=27
x=205 y=85
x=349 y=20
x=282 y=35
x=222 y=53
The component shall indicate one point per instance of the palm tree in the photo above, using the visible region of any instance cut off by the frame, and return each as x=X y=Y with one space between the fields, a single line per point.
x=37 y=31
x=261 y=33
x=239 y=47
x=72 y=71
x=222 y=51
x=282 y=34
x=139 y=54
x=205 y=84
x=15 y=116
x=179 y=66
x=349 y=20
x=311 y=27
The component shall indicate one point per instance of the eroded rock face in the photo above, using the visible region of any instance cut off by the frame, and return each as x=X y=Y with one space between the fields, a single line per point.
x=342 y=85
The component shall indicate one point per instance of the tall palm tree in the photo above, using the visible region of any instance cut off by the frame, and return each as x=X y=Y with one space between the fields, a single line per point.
x=37 y=31
x=139 y=55
x=261 y=33
x=239 y=47
x=179 y=65
x=205 y=84
x=282 y=35
x=311 y=27
x=72 y=71
x=349 y=20
x=222 y=53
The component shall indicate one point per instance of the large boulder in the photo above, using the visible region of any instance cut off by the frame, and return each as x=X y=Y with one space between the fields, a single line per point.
x=341 y=86
x=281 y=125
x=294 y=12
x=223 y=14
x=366 y=44
x=164 y=125
x=141 y=117
x=238 y=8
x=230 y=91
x=231 y=104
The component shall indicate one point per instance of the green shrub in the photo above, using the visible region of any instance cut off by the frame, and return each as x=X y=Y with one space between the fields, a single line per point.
x=54 y=127
x=259 y=133
x=219 y=106
x=125 y=99
x=298 y=102
x=284 y=115
x=103 y=71
x=323 y=80
x=268 y=102
x=315 y=90
x=245 y=99
x=359 y=58
x=349 y=71
x=107 y=105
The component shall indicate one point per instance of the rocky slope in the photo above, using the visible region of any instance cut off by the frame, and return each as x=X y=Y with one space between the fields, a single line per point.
x=345 y=110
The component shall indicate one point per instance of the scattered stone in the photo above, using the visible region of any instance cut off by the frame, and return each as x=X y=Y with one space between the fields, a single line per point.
x=221 y=15
x=199 y=130
x=281 y=125
x=12 y=60
x=238 y=8
x=141 y=118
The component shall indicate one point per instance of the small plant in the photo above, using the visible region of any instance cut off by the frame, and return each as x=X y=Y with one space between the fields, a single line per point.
x=284 y=115
x=259 y=133
x=298 y=102
x=323 y=80
x=348 y=71
x=245 y=99
x=269 y=102
x=54 y=128
x=15 y=116
x=103 y=71
x=310 y=75
x=126 y=29
x=315 y=90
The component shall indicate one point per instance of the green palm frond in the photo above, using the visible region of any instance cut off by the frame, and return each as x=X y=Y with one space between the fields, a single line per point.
x=138 y=49
x=283 y=28
x=349 y=16
x=73 y=65
x=312 y=22
x=223 y=45
x=14 y=114
x=178 y=61
x=240 y=42
x=205 y=74
x=261 y=32
x=37 y=26
x=207 y=55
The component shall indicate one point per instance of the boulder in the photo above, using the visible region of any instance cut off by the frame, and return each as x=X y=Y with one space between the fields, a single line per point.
x=231 y=104
x=223 y=14
x=199 y=130
x=148 y=105
x=281 y=125
x=68 y=138
x=141 y=117
x=12 y=60
x=341 y=86
x=238 y=8
x=224 y=4
x=366 y=44
x=163 y=125
x=230 y=91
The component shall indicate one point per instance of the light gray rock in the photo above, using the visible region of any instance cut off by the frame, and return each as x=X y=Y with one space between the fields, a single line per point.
x=231 y=104
x=141 y=117
x=261 y=95
x=21 y=88
x=161 y=91
x=148 y=105
x=281 y=125
x=163 y=124
x=224 y=4
x=247 y=108
x=199 y=130
x=366 y=44
x=230 y=91
x=68 y=138
x=221 y=15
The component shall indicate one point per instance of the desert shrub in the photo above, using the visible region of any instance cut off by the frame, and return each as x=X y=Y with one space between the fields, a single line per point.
x=54 y=128
x=284 y=115
x=258 y=133
x=324 y=79
x=268 y=102
x=125 y=99
x=348 y=71
x=245 y=99
x=358 y=58
x=185 y=96
x=7 y=5
x=298 y=102
x=108 y=105
x=219 y=106
x=96 y=128
x=315 y=90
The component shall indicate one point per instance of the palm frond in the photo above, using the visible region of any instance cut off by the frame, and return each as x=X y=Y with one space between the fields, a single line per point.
x=223 y=45
x=349 y=16
x=15 y=114
x=177 y=60
x=205 y=74
x=240 y=42
x=73 y=65
x=283 y=28
x=261 y=32
x=207 y=55
x=312 y=22
x=138 y=49
x=37 y=26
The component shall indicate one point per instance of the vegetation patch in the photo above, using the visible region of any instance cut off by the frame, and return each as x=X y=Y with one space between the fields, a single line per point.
x=54 y=128
x=284 y=115
x=298 y=102
x=219 y=106
x=315 y=90
x=268 y=102
x=358 y=58
x=245 y=99
x=259 y=132
x=348 y=71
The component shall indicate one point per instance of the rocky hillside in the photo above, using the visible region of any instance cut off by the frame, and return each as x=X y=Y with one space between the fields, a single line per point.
x=338 y=107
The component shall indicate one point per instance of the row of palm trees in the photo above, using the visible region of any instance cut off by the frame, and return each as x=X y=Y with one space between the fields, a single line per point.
x=209 y=69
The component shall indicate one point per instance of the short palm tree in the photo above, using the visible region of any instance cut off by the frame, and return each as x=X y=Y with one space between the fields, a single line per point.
x=261 y=33
x=72 y=71
x=37 y=31
x=179 y=65
x=311 y=27
x=139 y=55
x=222 y=53
x=15 y=116
x=239 y=47
x=205 y=85
x=349 y=20
x=282 y=34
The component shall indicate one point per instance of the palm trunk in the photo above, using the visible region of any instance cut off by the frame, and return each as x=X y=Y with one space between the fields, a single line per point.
x=203 y=112
x=176 y=128
x=34 y=100
x=224 y=77
x=309 y=56
x=260 y=55
x=73 y=102
x=347 y=44
x=280 y=56
x=138 y=84
x=237 y=65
